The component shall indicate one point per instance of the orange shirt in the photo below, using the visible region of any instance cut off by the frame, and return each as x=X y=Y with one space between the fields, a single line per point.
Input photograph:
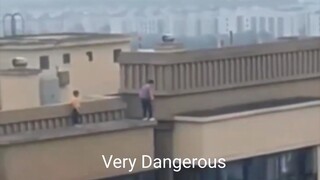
x=75 y=102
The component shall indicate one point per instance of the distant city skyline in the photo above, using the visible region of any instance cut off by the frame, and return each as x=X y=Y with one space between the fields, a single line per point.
x=187 y=21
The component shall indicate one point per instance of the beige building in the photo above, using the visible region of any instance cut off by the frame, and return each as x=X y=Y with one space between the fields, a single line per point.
x=256 y=106
x=85 y=62
x=19 y=88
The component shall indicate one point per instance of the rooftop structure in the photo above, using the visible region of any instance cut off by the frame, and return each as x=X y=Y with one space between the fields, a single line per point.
x=38 y=134
x=258 y=107
x=53 y=40
x=68 y=61
x=253 y=105
x=275 y=103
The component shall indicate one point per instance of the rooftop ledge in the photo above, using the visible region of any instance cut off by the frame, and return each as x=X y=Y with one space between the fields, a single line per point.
x=42 y=41
x=84 y=130
x=94 y=110
x=215 y=116
x=90 y=104
x=229 y=52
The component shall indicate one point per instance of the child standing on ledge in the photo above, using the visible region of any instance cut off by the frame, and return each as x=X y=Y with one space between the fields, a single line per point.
x=146 y=97
x=75 y=104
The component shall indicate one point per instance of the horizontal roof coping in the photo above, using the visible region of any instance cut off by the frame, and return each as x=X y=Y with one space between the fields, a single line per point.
x=89 y=129
x=61 y=110
x=59 y=39
x=218 y=53
x=246 y=113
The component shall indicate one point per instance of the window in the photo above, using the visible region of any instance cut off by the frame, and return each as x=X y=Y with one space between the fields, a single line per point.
x=90 y=56
x=294 y=165
x=44 y=62
x=150 y=175
x=234 y=171
x=66 y=58
x=116 y=54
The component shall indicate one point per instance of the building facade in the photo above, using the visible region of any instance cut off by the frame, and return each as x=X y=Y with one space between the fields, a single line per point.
x=88 y=60
x=256 y=106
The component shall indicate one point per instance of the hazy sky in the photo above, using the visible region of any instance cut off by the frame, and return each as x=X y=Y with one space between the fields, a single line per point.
x=8 y=5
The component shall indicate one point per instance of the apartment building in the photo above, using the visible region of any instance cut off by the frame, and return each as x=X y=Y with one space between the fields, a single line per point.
x=257 y=106
x=86 y=60
x=37 y=74
x=314 y=22
x=20 y=88
x=40 y=143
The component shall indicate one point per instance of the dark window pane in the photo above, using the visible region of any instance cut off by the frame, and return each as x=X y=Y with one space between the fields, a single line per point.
x=209 y=174
x=66 y=58
x=116 y=54
x=257 y=168
x=90 y=56
x=150 y=175
x=44 y=62
x=233 y=171
x=147 y=176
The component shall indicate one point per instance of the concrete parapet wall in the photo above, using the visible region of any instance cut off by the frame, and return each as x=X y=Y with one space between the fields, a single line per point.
x=58 y=116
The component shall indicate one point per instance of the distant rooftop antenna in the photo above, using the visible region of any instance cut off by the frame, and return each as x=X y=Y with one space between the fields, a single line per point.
x=13 y=23
x=231 y=37
x=140 y=42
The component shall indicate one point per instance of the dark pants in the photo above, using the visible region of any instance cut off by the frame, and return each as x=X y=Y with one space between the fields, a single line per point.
x=75 y=117
x=147 y=108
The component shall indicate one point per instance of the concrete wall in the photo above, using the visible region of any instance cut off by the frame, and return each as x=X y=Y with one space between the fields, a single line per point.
x=167 y=106
x=19 y=92
x=100 y=76
x=189 y=56
x=61 y=110
x=76 y=158
x=219 y=69
x=318 y=159
x=209 y=78
x=58 y=116
x=249 y=134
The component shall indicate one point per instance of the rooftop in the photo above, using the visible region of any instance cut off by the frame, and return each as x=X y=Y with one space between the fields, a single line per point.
x=20 y=72
x=287 y=44
x=43 y=39
x=250 y=106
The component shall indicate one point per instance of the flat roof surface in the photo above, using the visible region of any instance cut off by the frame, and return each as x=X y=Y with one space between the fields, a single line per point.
x=249 y=106
x=56 y=38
